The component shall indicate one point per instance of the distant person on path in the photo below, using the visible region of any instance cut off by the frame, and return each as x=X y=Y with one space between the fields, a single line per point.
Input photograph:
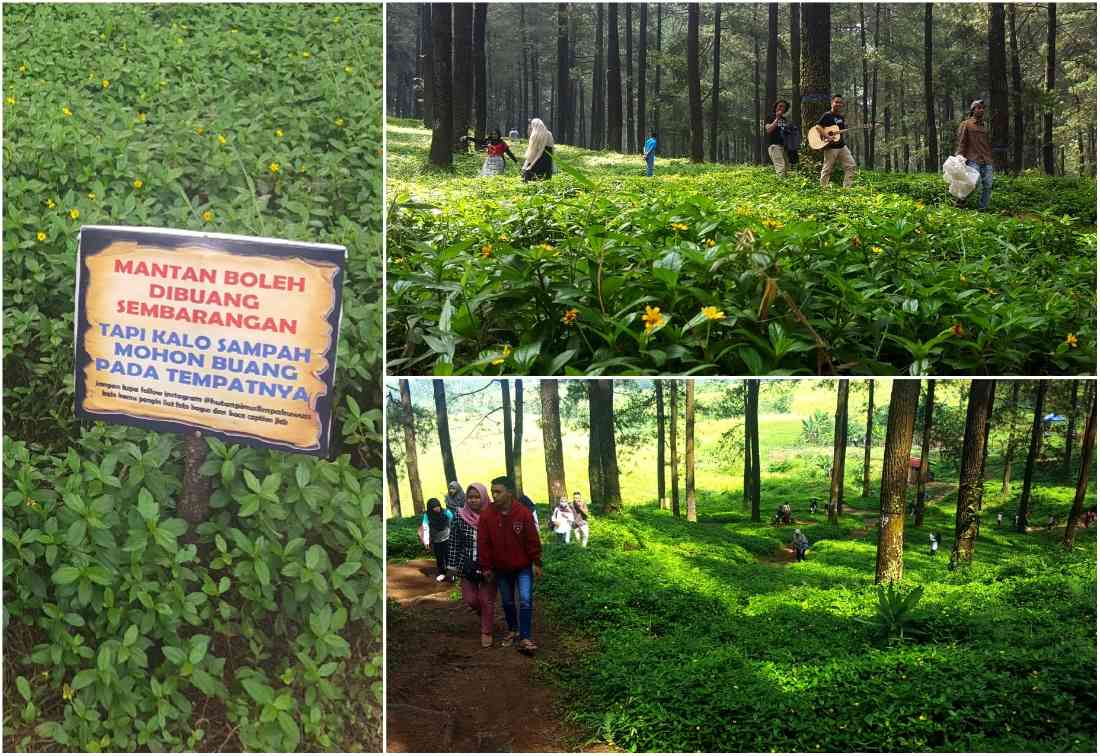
x=538 y=162
x=934 y=543
x=836 y=150
x=972 y=142
x=562 y=520
x=525 y=500
x=813 y=506
x=455 y=498
x=435 y=529
x=1000 y=519
x=800 y=545
x=495 y=151
x=478 y=594
x=777 y=132
x=513 y=133
x=509 y=551
x=785 y=511
x=580 y=518
x=649 y=151
x=1052 y=521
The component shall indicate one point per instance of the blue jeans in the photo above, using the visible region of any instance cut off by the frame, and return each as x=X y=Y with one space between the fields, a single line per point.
x=510 y=583
x=649 y=160
x=985 y=172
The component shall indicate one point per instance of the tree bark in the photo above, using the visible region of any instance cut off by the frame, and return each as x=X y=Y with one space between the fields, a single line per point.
x=752 y=422
x=517 y=443
x=524 y=73
x=672 y=450
x=998 y=87
x=926 y=442
x=1048 y=116
x=895 y=476
x=660 y=444
x=840 y=445
x=632 y=146
x=643 y=51
x=443 y=427
x=462 y=76
x=411 y=465
x=771 y=65
x=689 y=448
x=443 y=113
x=863 y=101
x=1032 y=453
x=193 y=503
x=1088 y=444
x=932 y=163
x=796 y=61
x=481 y=76
x=565 y=118
x=506 y=405
x=972 y=471
x=867 y=438
x=657 y=83
x=758 y=142
x=1071 y=427
x=426 y=68
x=598 y=83
x=614 y=82
x=870 y=156
x=1017 y=97
x=551 y=440
x=1010 y=445
x=393 y=486
x=695 y=92
x=715 y=86
x=814 y=76
x=614 y=501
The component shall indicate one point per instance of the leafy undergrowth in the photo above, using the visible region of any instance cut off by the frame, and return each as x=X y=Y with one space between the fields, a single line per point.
x=742 y=654
x=718 y=269
x=123 y=632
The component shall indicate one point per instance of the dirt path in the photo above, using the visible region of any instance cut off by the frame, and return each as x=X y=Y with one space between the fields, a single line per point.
x=445 y=693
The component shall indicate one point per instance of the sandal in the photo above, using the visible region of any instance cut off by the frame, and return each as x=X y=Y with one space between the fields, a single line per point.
x=509 y=639
x=486 y=640
x=527 y=646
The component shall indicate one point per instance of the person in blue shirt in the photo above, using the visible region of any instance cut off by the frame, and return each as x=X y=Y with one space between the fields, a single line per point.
x=650 y=152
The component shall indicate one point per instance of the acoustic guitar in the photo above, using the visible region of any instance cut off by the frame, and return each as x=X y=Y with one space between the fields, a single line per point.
x=820 y=137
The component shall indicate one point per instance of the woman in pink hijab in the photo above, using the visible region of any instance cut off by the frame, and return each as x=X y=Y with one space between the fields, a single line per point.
x=479 y=594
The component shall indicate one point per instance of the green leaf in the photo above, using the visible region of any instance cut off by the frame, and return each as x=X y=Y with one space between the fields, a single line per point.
x=314 y=556
x=301 y=472
x=67 y=575
x=251 y=481
x=147 y=505
x=263 y=573
x=199 y=646
x=24 y=687
x=131 y=636
x=260 y=693
x=84 y=678
x=174 y=655
x=75 y=535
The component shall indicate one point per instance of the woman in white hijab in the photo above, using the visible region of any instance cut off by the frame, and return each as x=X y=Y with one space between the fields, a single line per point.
x=538 y=163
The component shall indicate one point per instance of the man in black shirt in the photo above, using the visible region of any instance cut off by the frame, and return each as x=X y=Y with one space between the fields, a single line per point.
x=836 y=150
x=777 y=150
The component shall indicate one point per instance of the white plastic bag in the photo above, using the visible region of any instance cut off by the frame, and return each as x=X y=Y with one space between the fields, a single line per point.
x=960 y=177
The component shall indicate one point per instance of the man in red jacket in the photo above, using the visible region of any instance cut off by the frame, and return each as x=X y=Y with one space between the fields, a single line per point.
x=510 y=552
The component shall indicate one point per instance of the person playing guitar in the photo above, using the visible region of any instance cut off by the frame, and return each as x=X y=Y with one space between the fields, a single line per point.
x=835 y=149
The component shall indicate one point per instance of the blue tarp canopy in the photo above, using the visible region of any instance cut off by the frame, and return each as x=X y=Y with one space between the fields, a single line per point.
x=1052 y=418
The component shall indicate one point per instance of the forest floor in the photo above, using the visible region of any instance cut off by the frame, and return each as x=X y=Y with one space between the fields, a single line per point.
x=448 y=694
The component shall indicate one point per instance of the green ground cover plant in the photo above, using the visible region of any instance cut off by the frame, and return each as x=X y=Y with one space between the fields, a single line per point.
x=123 y=631
x=723 y=269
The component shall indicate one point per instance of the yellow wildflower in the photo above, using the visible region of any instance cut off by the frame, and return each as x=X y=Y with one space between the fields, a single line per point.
x=222 y=139
x=962 y=278
x=74 y=213
x=711 y=242
x=348 y=69
x=679 y=227
x=41 y=236
x=10 y=99
x=336 y=20
x=772 y=224
x=305 y=54
x=486 y=250
x=504 y=354
x=234 y=31
x=1071 y=339
x=278 y=133
x=713 y=313
x=652 y=318
x=138 y=183
x=548 y=247
x=91 y=196
x=67 y=692
x=920 y=205
x=23 y=68
x=50 y=203
x=106 y=83
x=339 y=121
x=208 y=215
x=504 y=237
x=876 y=250
x=570 y=316
x=199 y=130
x=66 y=112
x=274 y=167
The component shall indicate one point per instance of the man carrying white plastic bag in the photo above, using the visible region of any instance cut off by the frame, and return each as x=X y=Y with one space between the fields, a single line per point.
x=973 y=146
x=960 y=177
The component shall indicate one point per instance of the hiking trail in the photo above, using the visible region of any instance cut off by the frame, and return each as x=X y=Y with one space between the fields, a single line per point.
x=445 y=693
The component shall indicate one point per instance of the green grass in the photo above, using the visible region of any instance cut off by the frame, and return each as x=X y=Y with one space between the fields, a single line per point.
x=698 y=644
x=894 y=279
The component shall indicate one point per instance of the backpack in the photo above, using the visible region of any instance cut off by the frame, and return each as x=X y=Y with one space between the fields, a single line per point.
x=792 y=137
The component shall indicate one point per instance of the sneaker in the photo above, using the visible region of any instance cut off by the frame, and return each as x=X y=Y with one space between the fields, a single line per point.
x=527 y=646
x=486 y=640
x=509 y=639
x=440 y=578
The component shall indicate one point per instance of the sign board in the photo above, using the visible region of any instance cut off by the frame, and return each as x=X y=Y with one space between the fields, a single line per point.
x=233 y=336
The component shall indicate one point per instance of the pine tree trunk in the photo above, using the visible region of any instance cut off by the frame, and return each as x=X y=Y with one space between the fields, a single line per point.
x=1032 y=453
x=752 y=421
x=715 y=86
x=840 y=445
x=758 y=143
x=442 y=424
x=598 y=83
x=506 y=405
x=631 y=135
x=524 y=73
x=462 y=76
x=863 y=61
x=643 y=52
x=517 y=443
x=895 y=477
x=481 y=77
x=1048 y=116
x=551 y=440
x=1017 y=96
x=689 y=448
x=565 y=119
x=972 y=471
x=660 y=444
x=695 y=92
x=426 y=69
x=932 y=164
x=1071 y=427
x=814 y=76
x=998 y=87
x=657 y=83
x=1088 y=445
x=614 y=499
x=672 y=450
x=443 y=113
x=867 y=438
x=614 y=82
x=1010 y=444
x=393 y=486
x=408 y=423
x=796 y=62
x=926 y=442
x=595 y=444
x=771 y=65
